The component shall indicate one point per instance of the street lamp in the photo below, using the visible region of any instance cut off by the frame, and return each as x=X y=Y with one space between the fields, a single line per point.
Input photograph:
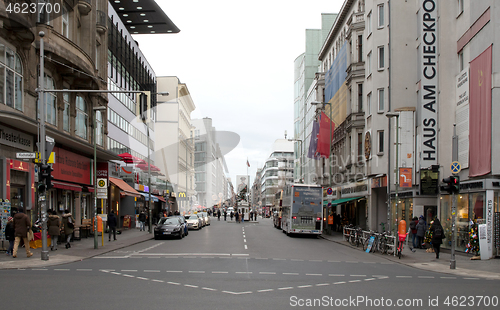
x=320 y=106
x=390 y=115
x=300 y=166
x=95 y=109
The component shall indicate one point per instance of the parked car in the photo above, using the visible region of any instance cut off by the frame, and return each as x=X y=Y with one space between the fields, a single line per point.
x=206 y=217
x=169 y=226
x=194 y=221
x=183 y=220
x=203 y=220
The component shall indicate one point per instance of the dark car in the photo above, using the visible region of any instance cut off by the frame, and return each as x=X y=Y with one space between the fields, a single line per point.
x=169 y=226
x=183 y=220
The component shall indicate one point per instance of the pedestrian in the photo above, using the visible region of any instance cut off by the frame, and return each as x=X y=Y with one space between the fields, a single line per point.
x=142 y=221
x=54 y=229
x=10 y=234
x=232 y=215
x=421 y=228
x=21 y=225
x=69 y=226
x=218 y=215
x=437 y=236
x=237 y=217
x=337 y=223
x=225 y=215
x=413 y=228
x=112 y=225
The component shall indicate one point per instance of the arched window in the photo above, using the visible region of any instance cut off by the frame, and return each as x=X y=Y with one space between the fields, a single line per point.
x=81 y=117
x=11 y=78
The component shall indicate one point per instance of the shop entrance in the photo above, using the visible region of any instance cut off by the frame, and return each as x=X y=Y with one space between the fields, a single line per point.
x=17 y=197
x=430 y=213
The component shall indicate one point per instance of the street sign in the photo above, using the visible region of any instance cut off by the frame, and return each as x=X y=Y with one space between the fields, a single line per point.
x=102 y=188
x=455 y=167
x=25 y=155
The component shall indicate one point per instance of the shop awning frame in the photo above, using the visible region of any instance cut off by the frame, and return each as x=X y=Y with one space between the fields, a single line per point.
x=126 y=189
x=160 y=198
x=146 y=195
x=66 y=186
x=342 y=200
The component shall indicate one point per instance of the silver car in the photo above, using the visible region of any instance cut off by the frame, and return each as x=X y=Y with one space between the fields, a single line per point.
x=194 y=221
x=205 y=217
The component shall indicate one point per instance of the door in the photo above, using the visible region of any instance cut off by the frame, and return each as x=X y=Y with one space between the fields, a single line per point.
x=17 y=197
x=430 y=213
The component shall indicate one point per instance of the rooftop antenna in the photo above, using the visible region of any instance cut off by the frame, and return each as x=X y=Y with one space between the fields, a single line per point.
x=285 y=134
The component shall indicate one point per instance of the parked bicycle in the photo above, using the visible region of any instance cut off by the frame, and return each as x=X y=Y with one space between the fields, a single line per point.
x=356 y=237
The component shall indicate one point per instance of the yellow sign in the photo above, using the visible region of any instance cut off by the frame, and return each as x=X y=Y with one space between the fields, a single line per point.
x=182 y=194
x=52 y=158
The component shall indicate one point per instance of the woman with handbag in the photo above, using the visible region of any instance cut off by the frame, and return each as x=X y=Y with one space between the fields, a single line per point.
x=54 y=229
x=69 y=226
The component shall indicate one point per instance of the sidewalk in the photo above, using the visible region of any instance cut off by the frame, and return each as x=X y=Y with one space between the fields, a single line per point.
x=80 y=249
x=489 y=269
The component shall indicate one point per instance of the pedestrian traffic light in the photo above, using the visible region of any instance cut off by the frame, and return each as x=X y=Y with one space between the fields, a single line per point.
x=42 y=176
x=50 y=177
x=451 y=185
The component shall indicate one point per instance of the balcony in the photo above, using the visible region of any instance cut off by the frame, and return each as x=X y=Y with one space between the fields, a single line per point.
x=84 y=6
x=101 y=22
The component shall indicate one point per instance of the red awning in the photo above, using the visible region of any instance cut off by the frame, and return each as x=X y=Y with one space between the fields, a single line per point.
x=127 y=190
x=160 y=198
x=130 y=159
x=144 y=167
x=67 y=186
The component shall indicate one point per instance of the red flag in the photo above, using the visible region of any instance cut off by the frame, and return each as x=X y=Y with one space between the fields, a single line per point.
x=480 y=115
x=248 y=164
x=326 y=128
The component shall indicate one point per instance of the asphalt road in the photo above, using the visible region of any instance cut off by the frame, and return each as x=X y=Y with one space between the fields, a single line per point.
x=241 y=266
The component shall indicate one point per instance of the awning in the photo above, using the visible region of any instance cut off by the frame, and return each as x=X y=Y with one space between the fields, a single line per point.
x=146 y=195
x=67 y=186
x=125 y=188
x=130 y=159
x=160 y=198
x=339 y=201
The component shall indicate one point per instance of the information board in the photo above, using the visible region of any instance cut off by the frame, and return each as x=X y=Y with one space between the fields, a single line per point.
x=4 y=215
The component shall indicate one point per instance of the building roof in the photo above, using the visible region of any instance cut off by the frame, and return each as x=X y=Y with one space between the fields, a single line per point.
x=143 y=17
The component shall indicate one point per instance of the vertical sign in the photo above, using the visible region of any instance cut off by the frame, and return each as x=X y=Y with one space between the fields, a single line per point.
x=405 y=177
x=429 y=82
x=462 y=116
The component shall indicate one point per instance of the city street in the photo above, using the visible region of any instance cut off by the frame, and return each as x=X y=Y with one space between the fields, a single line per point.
x=240 y=266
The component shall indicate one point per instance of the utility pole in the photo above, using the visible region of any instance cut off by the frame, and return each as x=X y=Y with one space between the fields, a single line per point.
x=454 y=157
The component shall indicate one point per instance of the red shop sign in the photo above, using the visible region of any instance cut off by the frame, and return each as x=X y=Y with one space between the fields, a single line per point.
x=71 y=167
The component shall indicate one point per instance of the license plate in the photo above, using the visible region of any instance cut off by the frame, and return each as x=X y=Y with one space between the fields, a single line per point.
x=166 y=233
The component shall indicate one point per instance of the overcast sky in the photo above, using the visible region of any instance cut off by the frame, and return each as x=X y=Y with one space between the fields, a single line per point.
x=236 y=58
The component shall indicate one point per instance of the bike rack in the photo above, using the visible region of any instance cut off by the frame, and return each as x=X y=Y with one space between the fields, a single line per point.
x=391 y=244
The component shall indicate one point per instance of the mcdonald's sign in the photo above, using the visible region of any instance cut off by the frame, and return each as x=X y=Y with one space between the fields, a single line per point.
x=182 y=194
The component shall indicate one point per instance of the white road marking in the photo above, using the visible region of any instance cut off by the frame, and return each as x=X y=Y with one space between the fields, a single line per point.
x=268 y=290
x=183 y=254
x=117 y=273
x=220 y=272
x=336 y=275
x=297 y=260
x=323 y=284
x=334 y=261
x=285 y=288
x=448 y=277
x=208 y=289
x=303 y=286
x=471 y=278
x=112 y=256
x=290 y=273
x=426 y=277
x=196 y=271
x=61 y=269
x=84 y=270
x=352 y=281
x=263 y=272
x=244 y=240
x=243 y=272
x=128 y=275
x=342 y=282
x=174 y=283
x=370 y=279
x=141 y=278
x=154 y=280
x=314 y=274
x=279 y=258
x=358 y=275
x=39 y=269
x=189 y=285
x=129 y=270
x=245 y=254
x=178 y=271
x=404 y=277
x=246 y=248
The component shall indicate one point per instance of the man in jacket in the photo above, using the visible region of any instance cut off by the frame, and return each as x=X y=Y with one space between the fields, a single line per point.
x=142 y=220
x=21 y=226
x=421 y=229
x=112 y=224
x=437 y=236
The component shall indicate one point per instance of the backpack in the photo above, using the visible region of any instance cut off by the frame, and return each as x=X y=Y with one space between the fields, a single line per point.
x=413 y=225
x=438 y=232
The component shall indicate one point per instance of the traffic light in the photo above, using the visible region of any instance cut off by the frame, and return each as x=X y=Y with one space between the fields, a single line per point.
x=45 y=177
x=50 y=177
x=451 y=185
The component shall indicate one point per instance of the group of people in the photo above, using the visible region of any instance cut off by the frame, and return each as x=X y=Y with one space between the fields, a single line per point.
x=418 y=227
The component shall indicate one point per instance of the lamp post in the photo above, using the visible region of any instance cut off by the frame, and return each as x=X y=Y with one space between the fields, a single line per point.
x=300 y=166
x=319 y=106
x=390 y=115
x=95 y=109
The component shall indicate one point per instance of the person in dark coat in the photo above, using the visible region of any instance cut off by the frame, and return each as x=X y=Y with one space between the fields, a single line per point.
x=54 y=229
x=10 y=234
x=413 y=228
x=225 y=215
x=68 y=222
x=218 y=215
x=112 y=222
x=421 y=229
x=237 y=217
x=437 y=236
x=142 y=221
x=22 y=225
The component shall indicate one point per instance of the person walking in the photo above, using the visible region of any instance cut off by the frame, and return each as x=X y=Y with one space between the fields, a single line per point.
x=10 y=234
x=232 y=214
x=54 y=229
x=413 y=228
x=237 y=217
x=437 y=236
x=68 y=222
x=421 y=228
x=21 y=225
x=142 y=221
x=112 y=225
x=218 y=215
x=225 y=215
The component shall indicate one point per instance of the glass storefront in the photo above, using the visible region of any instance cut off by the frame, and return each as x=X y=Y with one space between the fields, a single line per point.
x=404 y=210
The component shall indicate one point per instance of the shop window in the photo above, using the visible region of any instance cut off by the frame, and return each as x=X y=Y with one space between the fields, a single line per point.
x=99 y=128
x=81 y=120
x=477 y=206
x=66 y=117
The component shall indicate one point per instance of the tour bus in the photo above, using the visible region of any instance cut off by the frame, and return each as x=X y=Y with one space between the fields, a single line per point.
x=302 y=209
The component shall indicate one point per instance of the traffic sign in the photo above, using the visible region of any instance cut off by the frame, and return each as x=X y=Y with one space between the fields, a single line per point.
x=25 y=155
x=455 y=167
x=329 y=191
x=102 y=188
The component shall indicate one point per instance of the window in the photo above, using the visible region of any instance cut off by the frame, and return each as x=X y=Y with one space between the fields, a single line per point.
x=380 y=148
x=380 y=9
x=369 y=104
x=50 y=102
x=369 y=23
x=380 y=58
x=380 y=100
x=461 y=61
x=460 y=5
x=360 y=97
x=66 y=112
x=81 y=117
x=44 y=15
x=360 y=48
x=369 y=63
x=99 y=129
x=11 y=78
x=360 y=146
x=65 y=22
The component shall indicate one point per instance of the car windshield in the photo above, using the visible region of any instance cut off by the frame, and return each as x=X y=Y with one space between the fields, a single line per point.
x=193 y=217
x=168 y=221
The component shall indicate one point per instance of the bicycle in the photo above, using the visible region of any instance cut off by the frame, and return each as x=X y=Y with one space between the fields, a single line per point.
x=355 y=237
x=383 y=244
x=374 y=243
x=401 y=239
